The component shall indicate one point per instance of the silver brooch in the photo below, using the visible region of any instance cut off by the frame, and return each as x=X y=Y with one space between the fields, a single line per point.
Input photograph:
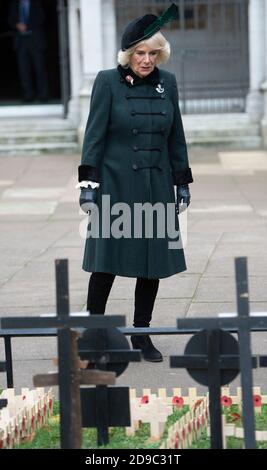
x=159 y=88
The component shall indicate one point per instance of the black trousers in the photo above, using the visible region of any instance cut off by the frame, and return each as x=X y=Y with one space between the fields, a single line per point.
x=31 y=62
x=145 y=294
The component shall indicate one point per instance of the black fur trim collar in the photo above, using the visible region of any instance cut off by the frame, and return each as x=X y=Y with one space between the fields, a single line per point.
x=152 y=78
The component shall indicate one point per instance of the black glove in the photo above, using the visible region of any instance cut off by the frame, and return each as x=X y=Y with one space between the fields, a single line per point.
x=183 y=198
x=88 y=197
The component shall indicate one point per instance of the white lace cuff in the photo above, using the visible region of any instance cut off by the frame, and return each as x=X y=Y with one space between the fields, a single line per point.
x=84 y=184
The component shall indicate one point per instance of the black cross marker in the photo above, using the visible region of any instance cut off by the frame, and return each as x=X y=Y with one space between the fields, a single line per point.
x=103 y=406
x=243 y=323
x=63 y=322
x=3 y=403
x=211 y=358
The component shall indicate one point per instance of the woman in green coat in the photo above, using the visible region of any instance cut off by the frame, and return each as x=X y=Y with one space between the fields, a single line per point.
x=135 y=152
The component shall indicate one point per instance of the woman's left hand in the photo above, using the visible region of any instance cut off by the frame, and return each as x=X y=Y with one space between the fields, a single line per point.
x=183 y=197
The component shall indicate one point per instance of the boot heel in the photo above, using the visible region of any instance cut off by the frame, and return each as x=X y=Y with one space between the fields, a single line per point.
x=148 y=350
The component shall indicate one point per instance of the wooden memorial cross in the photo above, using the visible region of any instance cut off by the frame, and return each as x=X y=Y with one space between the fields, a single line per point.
x=214 y=361
x=63 y=322
x=102 y=406
x=79 y=377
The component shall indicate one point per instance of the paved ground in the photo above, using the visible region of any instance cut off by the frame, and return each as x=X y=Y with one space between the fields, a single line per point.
x=39 y=222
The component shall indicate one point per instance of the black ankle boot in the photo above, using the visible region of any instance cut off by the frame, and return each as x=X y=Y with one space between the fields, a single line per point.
x=149 y=352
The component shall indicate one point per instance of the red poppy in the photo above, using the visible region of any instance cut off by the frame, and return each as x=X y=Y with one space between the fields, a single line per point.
x=198 y=402
x=33 y=422
x=226 y=401
x=177 y=439
x=130 y=79
x=235 y=416
x=257 y=400
x=144 y=399
x=23 y=424
x=178 y=402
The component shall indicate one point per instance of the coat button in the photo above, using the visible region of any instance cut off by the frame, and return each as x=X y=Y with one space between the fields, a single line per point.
x=135 y=167
x=135 y=131
x=133 y=113
x=163 y=113
x=135 y=148
x=162 y=97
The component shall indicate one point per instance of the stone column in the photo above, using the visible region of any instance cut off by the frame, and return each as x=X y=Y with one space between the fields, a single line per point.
x=109 y=34
x=75 y=61
x=257 y=21
x=264 y=88
x=92 y=54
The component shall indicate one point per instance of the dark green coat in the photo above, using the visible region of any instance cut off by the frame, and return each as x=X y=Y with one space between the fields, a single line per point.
x=134 y=145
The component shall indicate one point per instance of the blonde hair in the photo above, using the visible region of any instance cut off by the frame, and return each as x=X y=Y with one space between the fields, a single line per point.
x=156 y=42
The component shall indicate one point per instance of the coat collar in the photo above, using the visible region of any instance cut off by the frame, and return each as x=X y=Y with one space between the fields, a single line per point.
x=128 y=74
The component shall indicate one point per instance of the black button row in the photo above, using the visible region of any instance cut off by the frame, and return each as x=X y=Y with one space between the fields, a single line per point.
x=130 y=97
x=136 y=131
x=136 y=149
x=163 y=113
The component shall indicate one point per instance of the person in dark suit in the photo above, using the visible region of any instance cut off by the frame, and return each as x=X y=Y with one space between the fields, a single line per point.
x=27 y=17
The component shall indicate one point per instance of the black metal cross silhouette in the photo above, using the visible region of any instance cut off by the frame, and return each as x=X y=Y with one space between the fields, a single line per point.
x=242 y=324
x=3 y=402
x=103 y=406
x=63 y=322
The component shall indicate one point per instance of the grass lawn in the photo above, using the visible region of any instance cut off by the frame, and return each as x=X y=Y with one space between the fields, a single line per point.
x=48 y=436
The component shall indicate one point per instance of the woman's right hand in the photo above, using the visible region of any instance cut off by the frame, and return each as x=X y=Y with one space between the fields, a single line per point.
x=88 y=197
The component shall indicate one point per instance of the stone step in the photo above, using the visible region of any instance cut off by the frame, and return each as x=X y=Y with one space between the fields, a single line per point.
x=28 y=125
x=218 y=120
x=232 y=129
x=52 y=134
x=43 y=134
x=20 y=137
x=240 y=142
x=41 y=147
